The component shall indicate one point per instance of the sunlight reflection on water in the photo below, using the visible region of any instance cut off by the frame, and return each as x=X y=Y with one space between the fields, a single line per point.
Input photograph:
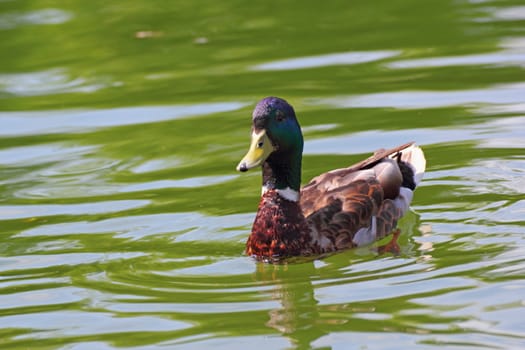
x=78 y=121
x=10 y=212
x=512 y=55
x=141 y=226
x=335 y=59
x=193 y=182
x=48 y=16
x=499 y=133
x=43 y=261
x=53 y=81
x=508 y=58
x=68 y=323
x=42 y=153
x=497 y=94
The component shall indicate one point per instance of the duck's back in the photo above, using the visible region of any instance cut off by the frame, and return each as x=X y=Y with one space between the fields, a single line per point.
x=357 y=205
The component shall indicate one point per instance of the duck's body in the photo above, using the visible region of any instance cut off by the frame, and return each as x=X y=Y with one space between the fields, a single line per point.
x=337 y=210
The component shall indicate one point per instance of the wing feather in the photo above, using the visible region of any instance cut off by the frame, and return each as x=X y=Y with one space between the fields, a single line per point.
x=356 y=205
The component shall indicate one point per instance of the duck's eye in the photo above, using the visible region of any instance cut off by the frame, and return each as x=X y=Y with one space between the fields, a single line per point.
x=279 y=116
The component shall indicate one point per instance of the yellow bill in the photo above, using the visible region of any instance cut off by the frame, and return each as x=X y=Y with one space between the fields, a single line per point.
x=260 y=148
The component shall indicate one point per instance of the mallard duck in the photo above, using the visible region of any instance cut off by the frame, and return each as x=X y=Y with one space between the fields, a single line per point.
x=337 y=210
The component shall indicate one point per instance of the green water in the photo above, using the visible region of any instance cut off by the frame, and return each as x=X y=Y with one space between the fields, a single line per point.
x=123 y=221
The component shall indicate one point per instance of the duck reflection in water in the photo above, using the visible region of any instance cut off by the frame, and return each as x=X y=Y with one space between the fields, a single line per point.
x=298 y=318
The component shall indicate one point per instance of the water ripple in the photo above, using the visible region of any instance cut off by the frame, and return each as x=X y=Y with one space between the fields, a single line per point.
x=66 y=323
x=10 y=212
x=500 y=133
x=197 y=308
x=53 y=122
x=49 y=82
x=49 y=16
x=42 y=297
x=497 y=94
x=502 y=58
x=192 y=182
x=42 y=153
x=35 y=261
x=375 y=289
x=334 y=59
x=191 y=226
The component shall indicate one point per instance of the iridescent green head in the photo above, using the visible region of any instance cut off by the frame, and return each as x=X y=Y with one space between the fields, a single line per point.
x=277 y=144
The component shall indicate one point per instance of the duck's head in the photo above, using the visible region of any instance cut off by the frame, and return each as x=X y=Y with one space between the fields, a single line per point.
x=276 y=140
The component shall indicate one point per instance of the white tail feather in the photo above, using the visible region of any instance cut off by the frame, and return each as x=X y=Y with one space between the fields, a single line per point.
x=414 y=156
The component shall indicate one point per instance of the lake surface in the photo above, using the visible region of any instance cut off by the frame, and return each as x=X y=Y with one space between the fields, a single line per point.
x=123 y=220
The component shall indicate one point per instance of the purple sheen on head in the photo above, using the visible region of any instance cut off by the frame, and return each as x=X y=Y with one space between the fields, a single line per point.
x=267 y=105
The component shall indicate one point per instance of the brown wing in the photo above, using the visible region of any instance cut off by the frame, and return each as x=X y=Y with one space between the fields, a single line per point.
x=342 y=213
x=364 y=164
x=339 y=203
x=312 y=194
